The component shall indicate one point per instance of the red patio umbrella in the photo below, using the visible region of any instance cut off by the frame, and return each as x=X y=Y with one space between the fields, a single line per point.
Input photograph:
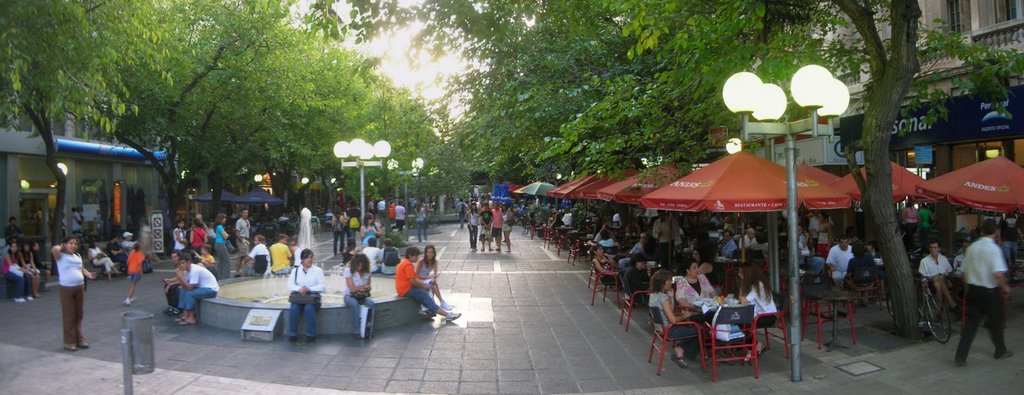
x=741 y=182
x=562 y=190
x=589 y=191
x=904 y=184
x=630 y=190
x=996 y=184
x=822 y=176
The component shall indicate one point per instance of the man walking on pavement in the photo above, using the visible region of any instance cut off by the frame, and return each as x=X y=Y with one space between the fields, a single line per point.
x=984 y=269
x=460 y=208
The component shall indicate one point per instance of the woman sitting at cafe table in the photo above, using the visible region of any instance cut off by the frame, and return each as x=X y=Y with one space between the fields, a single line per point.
x=603 y=264
x=685 y=337
x=758 y=293
x=695 y=288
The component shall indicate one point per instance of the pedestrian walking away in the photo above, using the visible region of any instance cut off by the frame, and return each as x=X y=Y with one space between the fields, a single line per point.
x=984 y=273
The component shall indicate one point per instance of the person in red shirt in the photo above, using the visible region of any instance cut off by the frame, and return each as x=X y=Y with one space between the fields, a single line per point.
x=134 y=271
x=409 y=285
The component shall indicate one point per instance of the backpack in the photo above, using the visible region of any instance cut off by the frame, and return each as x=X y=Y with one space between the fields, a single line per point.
x=353 y=223
x=391 y=258
x=338 y=224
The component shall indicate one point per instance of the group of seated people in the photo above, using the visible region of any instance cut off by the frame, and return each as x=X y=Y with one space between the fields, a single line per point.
x=694 y=300
x=23 y=271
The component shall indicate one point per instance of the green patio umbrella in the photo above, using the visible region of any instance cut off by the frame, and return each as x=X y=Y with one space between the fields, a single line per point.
x=538 y=188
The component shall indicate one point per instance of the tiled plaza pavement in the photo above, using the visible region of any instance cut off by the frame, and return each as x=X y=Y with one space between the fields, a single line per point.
x=528 y=328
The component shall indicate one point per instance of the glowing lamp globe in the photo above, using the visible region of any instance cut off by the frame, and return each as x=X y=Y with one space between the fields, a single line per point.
x=771 y=103
x=808 y=86
x=733 y=146
x=381 y=149
x=838 y=99
x=740 y=92
x=342 y=149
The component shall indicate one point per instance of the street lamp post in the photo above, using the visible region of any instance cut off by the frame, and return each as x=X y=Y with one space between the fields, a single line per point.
x=362 y=152
x=813 y=88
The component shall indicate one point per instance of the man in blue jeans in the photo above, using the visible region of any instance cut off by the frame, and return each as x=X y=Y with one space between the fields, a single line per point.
x=195 y=283
x=409 y=285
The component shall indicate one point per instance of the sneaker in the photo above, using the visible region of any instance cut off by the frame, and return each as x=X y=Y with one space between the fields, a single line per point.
x=1005 y=355
x=19 y=300
x=472 y=249
x=452 y=317
x=960 y=363
x=446 y=306
x=127 y=302
x=29 y=298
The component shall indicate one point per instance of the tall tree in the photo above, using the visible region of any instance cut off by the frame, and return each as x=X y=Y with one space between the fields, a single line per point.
x=57 y=58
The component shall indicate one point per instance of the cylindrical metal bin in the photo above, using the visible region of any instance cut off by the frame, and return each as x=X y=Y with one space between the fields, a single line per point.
x=141 y=325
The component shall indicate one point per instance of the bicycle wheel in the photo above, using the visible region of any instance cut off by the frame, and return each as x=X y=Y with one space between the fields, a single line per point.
x=888 y=309
x=433 y=221
x=937 y=321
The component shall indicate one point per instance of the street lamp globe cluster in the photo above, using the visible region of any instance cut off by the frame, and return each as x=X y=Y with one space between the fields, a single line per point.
x=813 y=87
x=362 y=152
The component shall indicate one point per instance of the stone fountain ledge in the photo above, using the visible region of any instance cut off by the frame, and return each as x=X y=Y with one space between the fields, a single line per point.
x=333 y=318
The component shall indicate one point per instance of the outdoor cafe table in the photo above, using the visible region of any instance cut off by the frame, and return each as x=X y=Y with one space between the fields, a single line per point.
x=834 y=297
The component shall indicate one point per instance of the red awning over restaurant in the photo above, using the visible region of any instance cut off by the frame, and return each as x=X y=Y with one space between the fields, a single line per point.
x=741 y=182
x=589 y=191
x=630 y=190
x=904 y=184
x=996 y=184
x=562 y=190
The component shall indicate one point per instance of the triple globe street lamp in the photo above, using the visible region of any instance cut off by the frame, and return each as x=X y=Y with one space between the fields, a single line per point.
x=814 y=88
x=362 y=153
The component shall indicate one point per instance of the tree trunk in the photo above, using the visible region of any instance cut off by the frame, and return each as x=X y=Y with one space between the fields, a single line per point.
x=41 y=120
x=892 y=70
x=217 y=183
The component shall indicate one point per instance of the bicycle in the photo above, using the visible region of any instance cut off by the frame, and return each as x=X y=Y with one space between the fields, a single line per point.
x=934 y=318
x=433 y=221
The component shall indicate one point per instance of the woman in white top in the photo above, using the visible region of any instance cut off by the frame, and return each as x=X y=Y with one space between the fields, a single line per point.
x=100 y=259
x=305 y=280
x=427 y=271
x=474 y=225
x=179 y=236
x=759 y=294
x=357 y=289
x=71 y=276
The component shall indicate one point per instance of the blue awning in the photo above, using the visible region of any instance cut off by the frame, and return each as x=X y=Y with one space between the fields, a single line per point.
x=86 y=147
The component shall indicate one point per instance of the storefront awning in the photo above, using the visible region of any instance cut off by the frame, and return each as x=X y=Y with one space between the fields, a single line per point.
x=86 y=147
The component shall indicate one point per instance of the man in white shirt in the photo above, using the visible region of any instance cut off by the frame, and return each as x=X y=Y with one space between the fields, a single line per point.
x=935 y=266
x=243 y=227
x=376 y=255
x=195 y=282
x=839 y=259
x=985 y=275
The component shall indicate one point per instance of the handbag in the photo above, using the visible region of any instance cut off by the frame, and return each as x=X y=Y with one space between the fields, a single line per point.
x=360 y=296
x=308 y=298
x=297 y=298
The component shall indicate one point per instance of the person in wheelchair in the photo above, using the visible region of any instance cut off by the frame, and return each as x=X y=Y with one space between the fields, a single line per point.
x=935 y=267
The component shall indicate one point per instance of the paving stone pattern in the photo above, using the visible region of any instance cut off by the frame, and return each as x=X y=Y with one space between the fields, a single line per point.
x=528 y=328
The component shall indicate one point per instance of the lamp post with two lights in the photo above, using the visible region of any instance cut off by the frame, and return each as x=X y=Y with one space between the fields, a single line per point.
x=813 y=88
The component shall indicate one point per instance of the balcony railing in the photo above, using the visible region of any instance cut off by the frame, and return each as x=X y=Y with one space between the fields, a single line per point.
x=1000 y=35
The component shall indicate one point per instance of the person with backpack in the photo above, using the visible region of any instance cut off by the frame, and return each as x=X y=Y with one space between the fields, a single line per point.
x=391 y=258
x=339 y=225
x=353 y=215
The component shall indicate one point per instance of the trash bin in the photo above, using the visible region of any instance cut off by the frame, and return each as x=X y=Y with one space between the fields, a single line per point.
x=141 y=325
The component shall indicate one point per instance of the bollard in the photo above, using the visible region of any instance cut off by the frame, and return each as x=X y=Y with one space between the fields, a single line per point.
x=126 y=360
x=140 y=324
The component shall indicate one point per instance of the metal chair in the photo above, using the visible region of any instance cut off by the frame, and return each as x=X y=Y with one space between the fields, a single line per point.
x=728 y=316
x=660 y=339
x=629 y=301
